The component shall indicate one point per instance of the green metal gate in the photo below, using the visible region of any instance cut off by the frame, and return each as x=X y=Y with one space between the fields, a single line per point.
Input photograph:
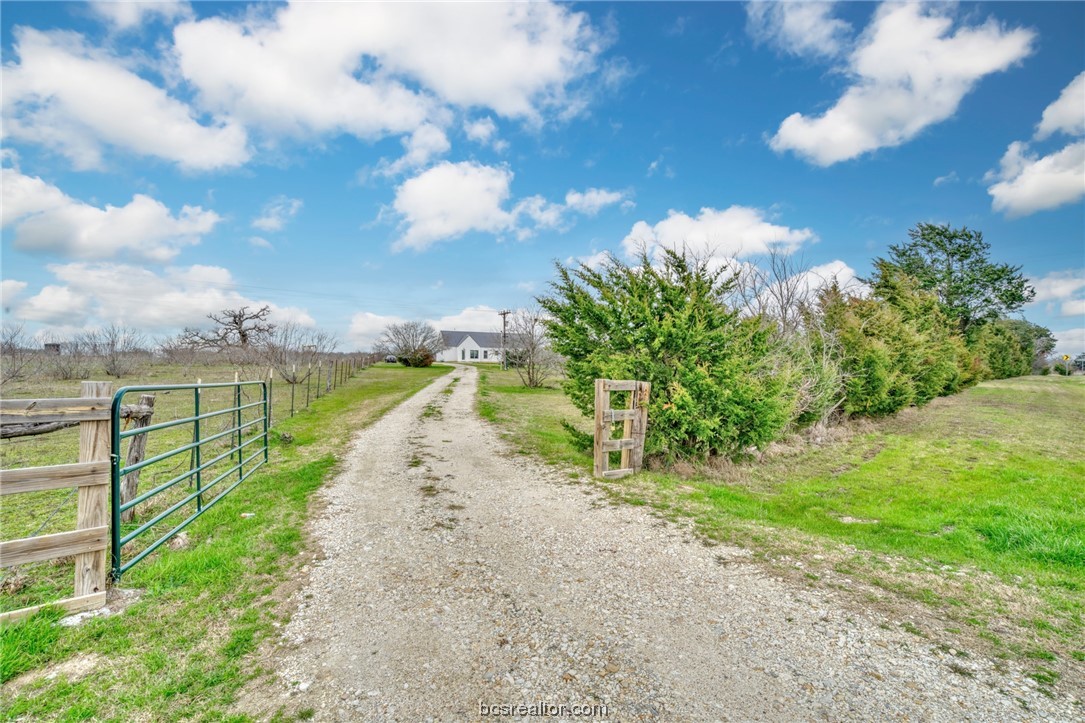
x=225 y=455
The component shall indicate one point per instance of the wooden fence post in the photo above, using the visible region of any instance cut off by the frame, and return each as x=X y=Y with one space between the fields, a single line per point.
x=136 y=449
x=93 y=507
x=638 y=427
x=602 y=403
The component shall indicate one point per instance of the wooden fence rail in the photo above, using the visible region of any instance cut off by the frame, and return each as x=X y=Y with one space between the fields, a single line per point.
x=90 y=540
x=635 y=420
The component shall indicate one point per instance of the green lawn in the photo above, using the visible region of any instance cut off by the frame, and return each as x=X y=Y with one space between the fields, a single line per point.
x=184 y=649
x=974 y=505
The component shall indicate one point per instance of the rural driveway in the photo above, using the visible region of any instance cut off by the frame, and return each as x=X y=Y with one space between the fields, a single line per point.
x=456 y=574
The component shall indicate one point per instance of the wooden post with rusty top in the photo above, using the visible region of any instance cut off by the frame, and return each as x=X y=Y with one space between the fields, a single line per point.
x=137 y=448
x=635 y=425
x=93 y=504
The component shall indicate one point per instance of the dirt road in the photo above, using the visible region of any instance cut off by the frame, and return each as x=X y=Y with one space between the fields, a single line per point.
x=458 y=575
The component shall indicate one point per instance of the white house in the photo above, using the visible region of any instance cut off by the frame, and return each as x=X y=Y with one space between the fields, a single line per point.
x=471 y=346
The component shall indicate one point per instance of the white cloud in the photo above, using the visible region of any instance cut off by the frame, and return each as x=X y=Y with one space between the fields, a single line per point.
x=1028 y=183
x=1061 y=292
x=277 y=212
x=1025 y=182
x=543 y=214
x=909 y=73
x=9 y=291
x=592 y=200
x=481 y=130
x=799 y=28
x=731 y=233
x=260 y=242
x=427 y=142
x=103 y=293
x=55 y=305
x=74 y=99
x=950 y=177
x=1067 y=113
x=473 y=318
x=371 y=69
x=592 y=261
x=127 y=14
x=1059 y=285
x=1069 y=341
x=47 y=220
x=1073 y=307
x=366 y=328
x=450 y=200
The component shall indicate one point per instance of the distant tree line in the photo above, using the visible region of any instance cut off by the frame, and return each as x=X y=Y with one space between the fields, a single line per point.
x=244 y=337
x=739 y=357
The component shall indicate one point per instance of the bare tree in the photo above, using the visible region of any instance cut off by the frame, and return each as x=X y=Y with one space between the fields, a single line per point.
x=71 y=361
x=119 y=348
x=528 y=349
x=412 y=343
x=291 y=349
x=234 y=329
x=17 y=358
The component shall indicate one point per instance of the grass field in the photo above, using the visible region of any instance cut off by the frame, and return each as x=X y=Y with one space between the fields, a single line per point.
x=180 y=651
x=973 y=507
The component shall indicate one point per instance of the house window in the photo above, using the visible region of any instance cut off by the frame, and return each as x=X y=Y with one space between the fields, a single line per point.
x=485 y=354
x=474 y=353
x=463 y=354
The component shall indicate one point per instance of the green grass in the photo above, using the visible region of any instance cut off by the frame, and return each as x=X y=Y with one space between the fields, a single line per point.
x=971 y=506
x=184 y=649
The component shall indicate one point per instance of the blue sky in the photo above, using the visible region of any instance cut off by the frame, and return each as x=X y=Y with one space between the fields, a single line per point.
x=355 y=164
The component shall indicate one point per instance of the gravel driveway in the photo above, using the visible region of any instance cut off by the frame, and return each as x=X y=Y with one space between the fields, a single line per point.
x=455 y=573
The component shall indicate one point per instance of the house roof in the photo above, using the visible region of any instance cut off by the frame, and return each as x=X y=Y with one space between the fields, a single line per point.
x=485 y=339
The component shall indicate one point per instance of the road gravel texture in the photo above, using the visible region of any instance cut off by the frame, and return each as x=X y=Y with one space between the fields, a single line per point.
x=456 y=573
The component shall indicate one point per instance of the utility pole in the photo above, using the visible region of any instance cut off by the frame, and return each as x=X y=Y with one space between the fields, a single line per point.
x=504 y=330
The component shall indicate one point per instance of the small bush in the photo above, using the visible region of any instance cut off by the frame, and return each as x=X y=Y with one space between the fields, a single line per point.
x=1063 y=369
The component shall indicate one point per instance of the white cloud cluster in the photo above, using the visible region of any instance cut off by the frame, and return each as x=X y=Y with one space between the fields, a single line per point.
x=1027 y=182
x=376 y=68
x=1061 y=292
x=10 y=289
x=735 y=232
x=799 y=28
x=277 y=213
x=76 y=100
x=427 y=142
x=131 y=14
x=46 y=220
x=452 y=199
x=301 y=70
x=102 y=293
x=910 y=70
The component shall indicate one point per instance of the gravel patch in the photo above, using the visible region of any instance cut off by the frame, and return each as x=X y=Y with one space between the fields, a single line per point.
x=455 y=572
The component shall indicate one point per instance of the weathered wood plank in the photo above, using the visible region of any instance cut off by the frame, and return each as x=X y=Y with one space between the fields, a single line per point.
x=71 y=605
x=639 y=426
x=619 y=415
x=82 y=409
x=49 y=547
x=617 y=445
x=617 y=473
x=55 y=477
x=619 y=385
x=93 y=505
x=602 y=404
x=10 y=431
